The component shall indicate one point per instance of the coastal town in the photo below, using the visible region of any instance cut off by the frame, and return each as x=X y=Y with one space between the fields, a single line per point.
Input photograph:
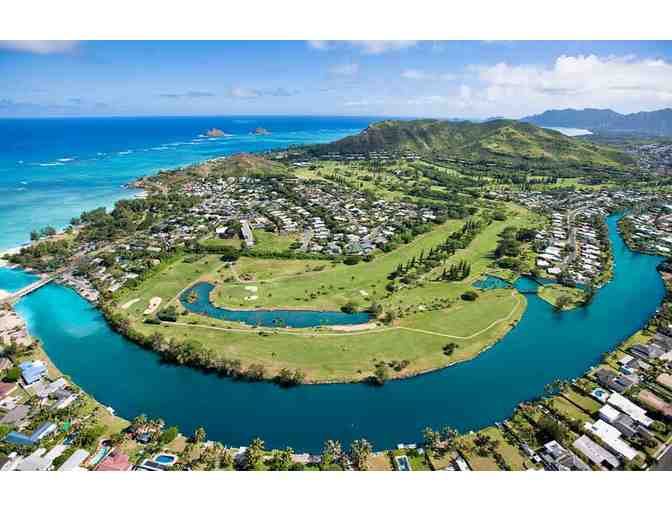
x=616 y=416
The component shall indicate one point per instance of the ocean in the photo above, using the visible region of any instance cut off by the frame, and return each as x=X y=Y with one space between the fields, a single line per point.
x=53 y=169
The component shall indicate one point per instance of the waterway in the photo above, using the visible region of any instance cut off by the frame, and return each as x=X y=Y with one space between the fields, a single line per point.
x=269 y=318
x=545 y=345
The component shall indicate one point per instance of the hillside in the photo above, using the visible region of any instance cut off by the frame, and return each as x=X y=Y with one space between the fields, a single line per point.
x=242 y=164
x=657 y=122
x=497 y=139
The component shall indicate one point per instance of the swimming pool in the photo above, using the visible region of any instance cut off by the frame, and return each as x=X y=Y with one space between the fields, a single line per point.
x=600 y=394
x=100 y=455
x=165 y=458
x=402 y=463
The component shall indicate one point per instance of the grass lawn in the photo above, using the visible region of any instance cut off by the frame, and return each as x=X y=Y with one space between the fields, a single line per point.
x=551 y=293
x=379 y=462
x=588 y=404
x=568 y=410
x=171 y=280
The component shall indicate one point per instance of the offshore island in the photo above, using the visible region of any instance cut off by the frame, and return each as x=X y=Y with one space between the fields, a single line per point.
x=400 y=251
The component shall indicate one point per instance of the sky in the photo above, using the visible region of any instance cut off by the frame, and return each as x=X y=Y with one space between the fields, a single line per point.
x=442 y=79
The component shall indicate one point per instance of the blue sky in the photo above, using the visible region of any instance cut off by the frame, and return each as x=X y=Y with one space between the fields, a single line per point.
x=475 y=79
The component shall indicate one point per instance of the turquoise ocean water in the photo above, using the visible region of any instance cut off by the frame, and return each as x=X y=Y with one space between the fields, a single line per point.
x=53 y=169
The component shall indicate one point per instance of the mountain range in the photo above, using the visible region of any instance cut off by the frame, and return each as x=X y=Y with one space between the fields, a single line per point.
x=658 y=122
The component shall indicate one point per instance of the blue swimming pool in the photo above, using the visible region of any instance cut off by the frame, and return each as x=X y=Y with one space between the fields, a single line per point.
x=165 y=459
x=402 y=463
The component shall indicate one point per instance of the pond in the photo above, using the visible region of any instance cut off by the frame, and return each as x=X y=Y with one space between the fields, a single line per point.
x=269 y=318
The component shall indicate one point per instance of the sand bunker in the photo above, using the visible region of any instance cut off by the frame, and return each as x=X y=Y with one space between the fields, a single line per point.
x=354 y=327
x=129 y=304
x=251 y=288
x=154 y=304
x=251 y=298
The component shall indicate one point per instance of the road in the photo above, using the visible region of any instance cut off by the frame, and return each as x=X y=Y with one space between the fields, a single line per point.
x=664 y=461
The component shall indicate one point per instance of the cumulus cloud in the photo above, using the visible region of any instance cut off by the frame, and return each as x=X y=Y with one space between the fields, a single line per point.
x=40 y=47
x=624 y=83
x=350 y=69
x=365 y=47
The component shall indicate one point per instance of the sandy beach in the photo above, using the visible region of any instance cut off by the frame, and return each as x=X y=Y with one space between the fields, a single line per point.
x=10 y=251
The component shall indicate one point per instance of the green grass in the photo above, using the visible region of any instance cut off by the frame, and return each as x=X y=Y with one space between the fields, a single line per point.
x=430 y=315
x=551 y=293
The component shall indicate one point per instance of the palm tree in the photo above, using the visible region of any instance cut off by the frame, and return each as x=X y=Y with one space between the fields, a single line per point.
x=139 y=422
x=254 y=454
x=199 y=435
x=360 y=451
x=332 y=452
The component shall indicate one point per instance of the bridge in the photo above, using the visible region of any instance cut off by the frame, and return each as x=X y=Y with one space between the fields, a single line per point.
x=15 y=296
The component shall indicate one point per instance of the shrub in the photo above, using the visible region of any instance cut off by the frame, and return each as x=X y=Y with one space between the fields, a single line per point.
x=351 y=260
x=349 y=307
x=12 y=375
x=470 y=295
x=168 y=314
x=168 y=435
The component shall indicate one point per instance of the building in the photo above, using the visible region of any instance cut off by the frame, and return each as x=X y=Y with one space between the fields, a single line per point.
x=41 y=432
x=596 y=453
x=115 y=461
x=634 y=411
x=611 y=437
x=32 y=371
x=75 y=460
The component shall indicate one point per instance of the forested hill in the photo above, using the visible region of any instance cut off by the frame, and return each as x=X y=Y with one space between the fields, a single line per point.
x=494 y=140
x=658 y=122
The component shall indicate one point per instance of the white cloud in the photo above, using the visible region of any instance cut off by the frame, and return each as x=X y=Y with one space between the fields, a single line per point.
x=40 y=47
x=417 y=74
x=623 y=83
x=378 y=47
x=414 y=74
x=318 y=45
x=350 y=69
x=365 y=47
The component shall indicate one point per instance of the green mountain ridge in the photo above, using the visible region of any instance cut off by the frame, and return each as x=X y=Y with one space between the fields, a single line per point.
x=504 y=140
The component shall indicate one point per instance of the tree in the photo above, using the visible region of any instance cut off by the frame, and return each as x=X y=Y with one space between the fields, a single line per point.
x=549 y=429
x=431 y=439
x=380 y=374
x=331 y=453
x=199 y=435
x=360 y=451
x=449 y=435
x=139 y=422
x=169 y=435
x=282 y=460
x=470 y=295
x=253 y=454
x=563 y=301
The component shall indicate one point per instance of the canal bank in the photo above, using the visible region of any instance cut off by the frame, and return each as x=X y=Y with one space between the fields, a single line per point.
x=545 y=346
